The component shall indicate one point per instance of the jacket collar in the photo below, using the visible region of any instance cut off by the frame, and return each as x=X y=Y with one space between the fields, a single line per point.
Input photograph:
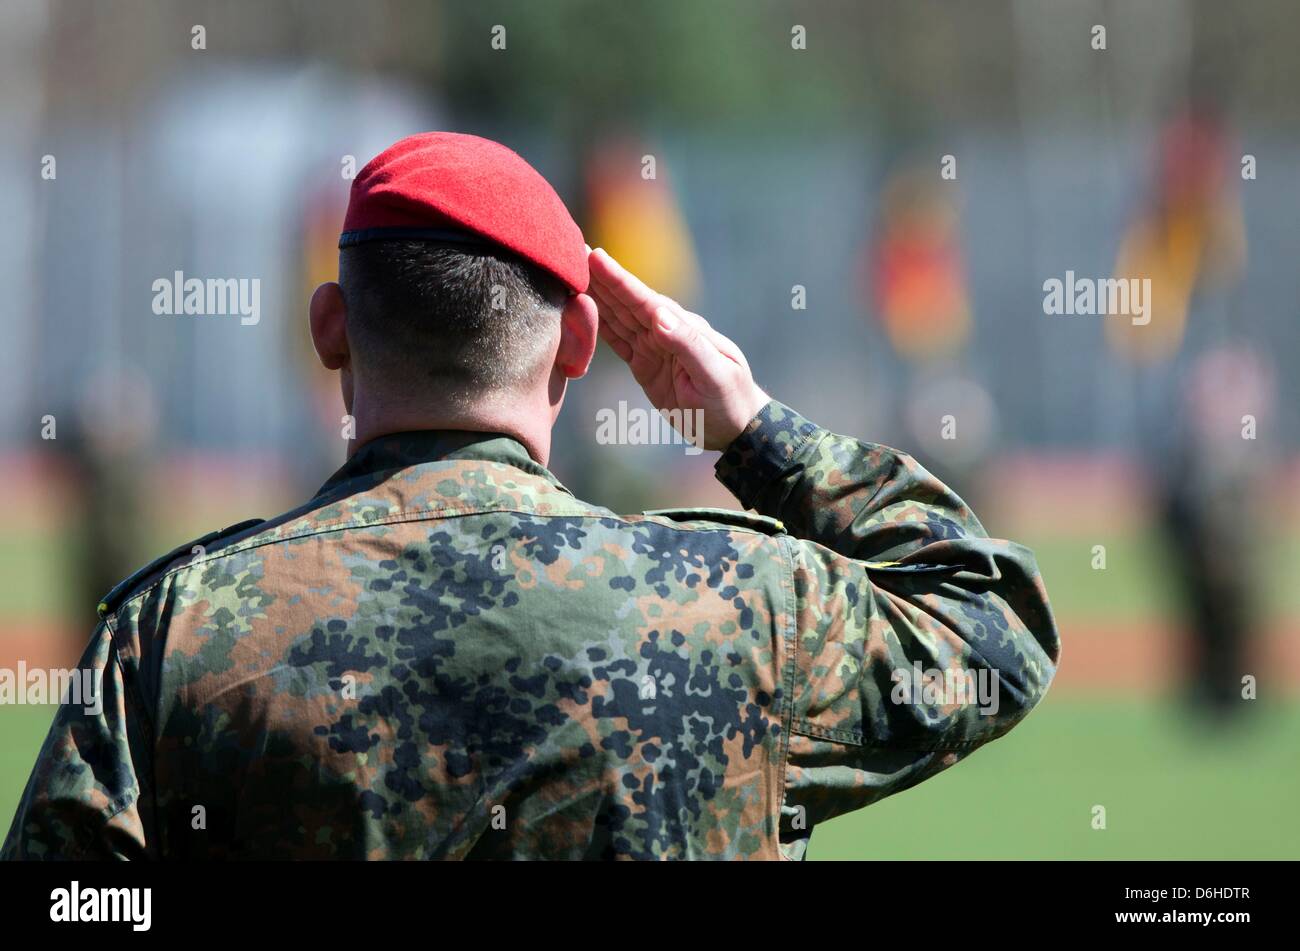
x=381 y=457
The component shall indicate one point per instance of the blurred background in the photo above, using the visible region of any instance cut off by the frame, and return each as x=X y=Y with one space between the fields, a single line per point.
x=868 y=197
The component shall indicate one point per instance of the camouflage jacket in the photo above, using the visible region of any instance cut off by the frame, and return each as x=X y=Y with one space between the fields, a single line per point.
x=446 y=655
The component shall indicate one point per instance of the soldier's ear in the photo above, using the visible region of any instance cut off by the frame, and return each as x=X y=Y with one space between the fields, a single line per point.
x=578 y=331
x=329 y=335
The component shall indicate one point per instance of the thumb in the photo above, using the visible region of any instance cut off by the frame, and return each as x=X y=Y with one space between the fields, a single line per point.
x=693 y=350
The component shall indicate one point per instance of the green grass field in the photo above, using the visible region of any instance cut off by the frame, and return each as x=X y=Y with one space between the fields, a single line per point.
x=1173 y=788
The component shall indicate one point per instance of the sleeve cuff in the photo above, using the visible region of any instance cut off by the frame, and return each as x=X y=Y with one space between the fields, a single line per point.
x=768 y=447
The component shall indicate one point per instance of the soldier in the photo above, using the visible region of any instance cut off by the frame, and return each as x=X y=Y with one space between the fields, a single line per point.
x=444 y=654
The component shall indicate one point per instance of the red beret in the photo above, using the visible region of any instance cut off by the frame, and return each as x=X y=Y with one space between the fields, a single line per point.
x=448 y=186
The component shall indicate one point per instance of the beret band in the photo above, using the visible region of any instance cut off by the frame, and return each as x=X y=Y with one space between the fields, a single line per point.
x=451 y=235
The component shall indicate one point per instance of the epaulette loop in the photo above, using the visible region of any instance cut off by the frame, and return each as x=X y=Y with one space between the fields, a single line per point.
x=111 y=601
x=761 y=523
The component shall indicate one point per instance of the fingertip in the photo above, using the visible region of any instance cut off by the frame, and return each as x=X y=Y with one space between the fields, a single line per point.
x=598 y=264
x=607 y=261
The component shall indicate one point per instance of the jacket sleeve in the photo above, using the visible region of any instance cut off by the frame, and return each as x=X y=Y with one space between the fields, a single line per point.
x=917 y=638
x=85 y=798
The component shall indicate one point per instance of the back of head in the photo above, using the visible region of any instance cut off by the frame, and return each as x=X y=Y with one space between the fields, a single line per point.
x=461 y=296
x=452 y=321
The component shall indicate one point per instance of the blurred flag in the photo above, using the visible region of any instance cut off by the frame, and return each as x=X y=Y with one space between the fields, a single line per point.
x=634 y=214
x=1190 y=234
x=916 y=276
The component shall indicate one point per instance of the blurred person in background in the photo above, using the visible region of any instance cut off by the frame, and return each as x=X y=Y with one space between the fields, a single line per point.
x=114 y=423
x=1188 y=235
x=1209 y=488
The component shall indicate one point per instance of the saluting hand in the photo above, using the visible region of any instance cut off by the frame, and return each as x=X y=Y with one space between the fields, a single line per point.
x=678 y=359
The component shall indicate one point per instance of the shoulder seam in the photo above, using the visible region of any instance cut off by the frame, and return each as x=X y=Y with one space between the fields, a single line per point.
x=719 y=520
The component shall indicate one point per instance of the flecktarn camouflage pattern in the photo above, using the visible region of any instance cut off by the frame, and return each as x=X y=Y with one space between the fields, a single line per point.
x=447 y=655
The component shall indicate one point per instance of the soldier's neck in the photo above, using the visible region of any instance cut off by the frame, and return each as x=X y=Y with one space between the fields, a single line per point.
x=519 y=416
